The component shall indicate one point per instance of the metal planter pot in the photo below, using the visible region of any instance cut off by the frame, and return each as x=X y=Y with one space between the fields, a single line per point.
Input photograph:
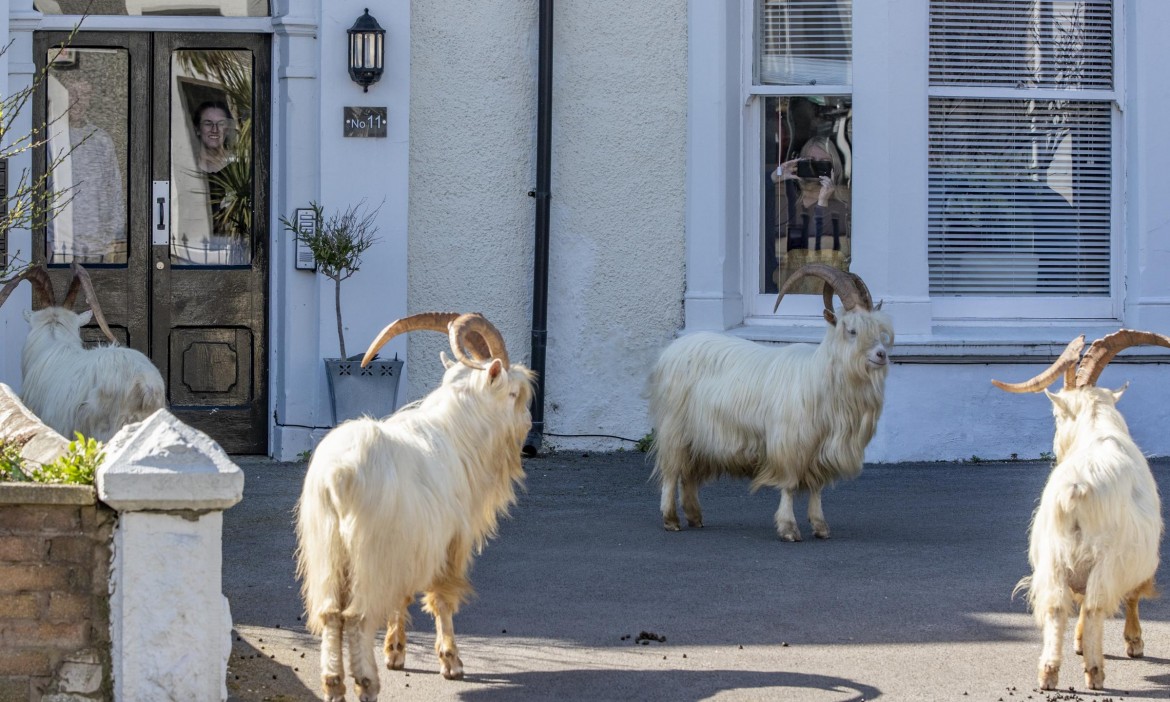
x=355 y=391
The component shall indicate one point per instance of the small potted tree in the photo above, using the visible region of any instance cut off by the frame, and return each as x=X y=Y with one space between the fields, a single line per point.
x=337 y=242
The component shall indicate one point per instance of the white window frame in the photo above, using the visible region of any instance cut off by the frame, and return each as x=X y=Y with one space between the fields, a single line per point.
x=1027 y=309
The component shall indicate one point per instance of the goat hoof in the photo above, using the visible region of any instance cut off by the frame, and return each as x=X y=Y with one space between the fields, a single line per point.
x=1048 y=676
x=1135 y=648
x=334 y=688
x=1095 y=678
x=367 y=689
x=789 y=532
x=450 y=665
x=671 y=526
x=395 y=657
x=821 y=531
x=695 y=523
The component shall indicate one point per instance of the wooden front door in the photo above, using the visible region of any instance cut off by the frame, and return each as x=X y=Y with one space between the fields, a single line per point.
x=158 y=144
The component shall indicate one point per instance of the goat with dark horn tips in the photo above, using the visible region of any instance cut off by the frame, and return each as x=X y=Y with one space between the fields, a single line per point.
x=796 y=417
x=398 y=506
x=1095 y=535
x=73 y=389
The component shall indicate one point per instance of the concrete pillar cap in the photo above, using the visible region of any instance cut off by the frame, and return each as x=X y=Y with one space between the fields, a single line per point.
x=161 y=463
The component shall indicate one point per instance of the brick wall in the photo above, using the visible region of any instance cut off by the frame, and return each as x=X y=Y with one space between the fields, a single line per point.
x=54 y=594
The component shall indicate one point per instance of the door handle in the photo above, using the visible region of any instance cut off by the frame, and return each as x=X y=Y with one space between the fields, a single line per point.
x=161 y=227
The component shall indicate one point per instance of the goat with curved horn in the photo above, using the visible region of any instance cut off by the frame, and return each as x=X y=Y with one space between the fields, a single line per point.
x=1066 y=363
x=848 y=286
x=1102 y=351
x=1094 y=539
x=435 y=478
x=82 y=280
x=443 y=322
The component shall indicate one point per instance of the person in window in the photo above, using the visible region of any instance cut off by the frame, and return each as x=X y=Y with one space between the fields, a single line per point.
x=91 y=226
x=227 y=180
x=813 y=212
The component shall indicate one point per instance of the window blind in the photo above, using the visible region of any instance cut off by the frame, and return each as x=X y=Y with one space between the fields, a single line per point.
x=1020 y=179
x=1019 y=197
x=1061 y=44
x=805 y=42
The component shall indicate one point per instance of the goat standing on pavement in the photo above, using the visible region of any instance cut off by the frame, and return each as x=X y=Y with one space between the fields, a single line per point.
x=1095 y=535
x=796 y=417
x=397 y=506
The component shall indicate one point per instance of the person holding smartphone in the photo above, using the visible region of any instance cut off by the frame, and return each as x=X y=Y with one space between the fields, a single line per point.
x=813 y=217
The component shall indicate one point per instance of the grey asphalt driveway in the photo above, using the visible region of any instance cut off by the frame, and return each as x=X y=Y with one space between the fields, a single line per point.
x=910 y=599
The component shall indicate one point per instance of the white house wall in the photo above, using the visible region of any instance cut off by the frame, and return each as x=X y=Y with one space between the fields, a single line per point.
x=617 y=207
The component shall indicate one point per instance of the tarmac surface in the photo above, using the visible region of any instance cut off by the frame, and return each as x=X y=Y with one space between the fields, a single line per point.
x=584 y=596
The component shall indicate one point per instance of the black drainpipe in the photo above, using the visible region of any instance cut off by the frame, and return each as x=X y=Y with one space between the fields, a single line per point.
x=542 y=195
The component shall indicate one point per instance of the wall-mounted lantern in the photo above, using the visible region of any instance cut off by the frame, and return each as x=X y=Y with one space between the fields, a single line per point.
x=366 y=50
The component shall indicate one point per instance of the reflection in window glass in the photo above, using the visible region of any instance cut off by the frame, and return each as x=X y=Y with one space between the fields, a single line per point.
x=807 y=181
x=211 y=157
x=804 y=42
x=87 y=99
x=202 y=8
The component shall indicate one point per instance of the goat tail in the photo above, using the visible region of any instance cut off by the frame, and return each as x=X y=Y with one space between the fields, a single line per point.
x=322 y=561
x=151 y=397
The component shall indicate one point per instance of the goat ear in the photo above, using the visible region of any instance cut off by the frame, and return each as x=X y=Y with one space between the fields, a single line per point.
x=495 y=369
x=447 y=363
x=85 y=317
x=830 y=317
x=1059 y=403
x=1119 y=392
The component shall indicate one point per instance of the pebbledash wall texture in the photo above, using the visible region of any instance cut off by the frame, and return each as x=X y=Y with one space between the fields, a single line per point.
x=616 y=252
x=54 y=593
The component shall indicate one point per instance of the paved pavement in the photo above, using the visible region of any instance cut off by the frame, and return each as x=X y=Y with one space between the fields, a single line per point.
x=910 y=599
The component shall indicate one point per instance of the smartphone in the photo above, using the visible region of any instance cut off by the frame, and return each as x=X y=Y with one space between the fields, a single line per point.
x=813 y=168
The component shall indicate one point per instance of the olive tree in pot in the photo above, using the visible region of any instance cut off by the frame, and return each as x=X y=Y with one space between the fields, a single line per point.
x=337 y=242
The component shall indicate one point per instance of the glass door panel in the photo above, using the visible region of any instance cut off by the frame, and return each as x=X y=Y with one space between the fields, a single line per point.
x=211 y=157
x=88 y=96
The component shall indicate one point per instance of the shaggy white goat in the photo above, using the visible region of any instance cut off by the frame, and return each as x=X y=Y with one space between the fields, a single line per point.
x=1094 y=537
x=796 y=417
x=72 y=389
x=398 y=506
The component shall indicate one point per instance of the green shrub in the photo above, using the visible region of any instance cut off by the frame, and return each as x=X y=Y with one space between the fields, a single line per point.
x=77 y=466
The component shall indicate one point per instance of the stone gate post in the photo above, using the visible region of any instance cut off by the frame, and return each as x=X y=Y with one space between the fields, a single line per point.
x=170 y=626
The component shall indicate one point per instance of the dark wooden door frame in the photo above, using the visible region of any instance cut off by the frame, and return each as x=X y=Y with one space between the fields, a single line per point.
x=137 y=296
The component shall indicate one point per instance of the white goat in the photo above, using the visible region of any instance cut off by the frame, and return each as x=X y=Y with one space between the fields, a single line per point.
x=1095 y=535
x=796 y=417
x=72 y=389
x=398 y=506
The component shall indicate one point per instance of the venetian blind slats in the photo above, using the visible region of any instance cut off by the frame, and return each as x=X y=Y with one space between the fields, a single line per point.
x=1055 y=44
x=805 y=42
x=1019 y=197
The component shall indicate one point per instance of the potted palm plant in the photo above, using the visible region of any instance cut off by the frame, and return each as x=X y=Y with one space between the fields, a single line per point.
x=337 y=242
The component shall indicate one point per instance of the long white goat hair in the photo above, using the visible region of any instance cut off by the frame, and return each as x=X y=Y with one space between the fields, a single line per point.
x=796 y=417
x=399 y=506
x=1095 y=535
x=72 y=389
x=94 y=391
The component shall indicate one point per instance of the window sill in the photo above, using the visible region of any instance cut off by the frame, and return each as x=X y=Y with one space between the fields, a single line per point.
x=967 y=344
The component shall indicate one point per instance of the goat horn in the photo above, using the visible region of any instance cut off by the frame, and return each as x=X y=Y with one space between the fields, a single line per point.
x=836 y=280
x=42 y=285
x=36 y=277
x=1064 y=364
x=1102 y=351
x=475 y=329
x=427 y=321
x=81 y=277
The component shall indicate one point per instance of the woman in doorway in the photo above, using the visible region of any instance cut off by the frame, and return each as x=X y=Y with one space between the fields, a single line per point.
x=227 y=179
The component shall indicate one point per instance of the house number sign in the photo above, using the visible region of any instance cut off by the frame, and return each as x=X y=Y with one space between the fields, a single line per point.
x=364 y=122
